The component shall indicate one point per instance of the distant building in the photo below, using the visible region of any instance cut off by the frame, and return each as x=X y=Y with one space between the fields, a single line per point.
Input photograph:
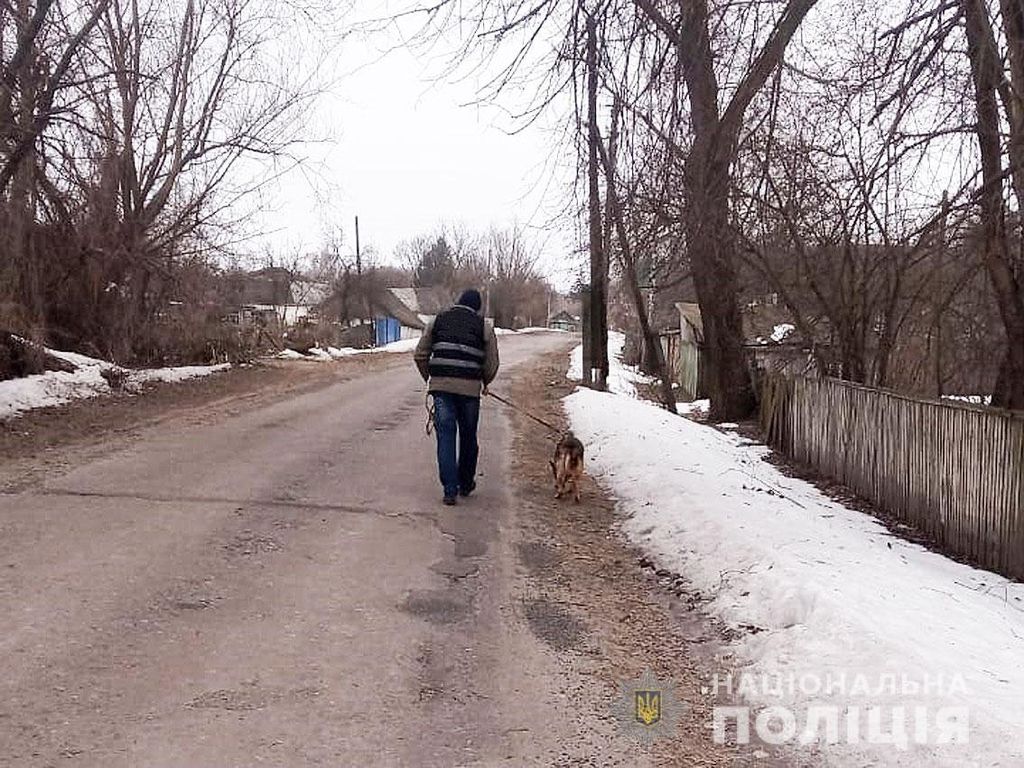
x=771 y=343
x=277 y=296
x=682 y=343
x=403 y=313
x=563 y=321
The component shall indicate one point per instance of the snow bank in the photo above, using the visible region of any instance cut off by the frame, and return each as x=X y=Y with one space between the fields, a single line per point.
x=403 y=345
x=48 y=389
x=622 y=379
x=528 y=329
x=58 y=387
x=829 y=592
x=781 y=332
x=970 y=399
x=174 y=375
x=695 y=408
x=326 y=354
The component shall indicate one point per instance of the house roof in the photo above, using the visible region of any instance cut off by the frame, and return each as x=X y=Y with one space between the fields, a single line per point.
x=424 y=301
x=310 y=293
x=277 y=287
x=266 y=286
x=564 y=317
x=414 y=307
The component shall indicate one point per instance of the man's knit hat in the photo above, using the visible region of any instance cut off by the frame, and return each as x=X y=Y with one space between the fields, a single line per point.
x=470 y=298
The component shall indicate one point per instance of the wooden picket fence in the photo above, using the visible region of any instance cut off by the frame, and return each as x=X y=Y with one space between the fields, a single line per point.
x=950 y=469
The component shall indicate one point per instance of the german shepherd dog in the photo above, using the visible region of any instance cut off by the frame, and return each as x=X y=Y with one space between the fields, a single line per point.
x=567 y=466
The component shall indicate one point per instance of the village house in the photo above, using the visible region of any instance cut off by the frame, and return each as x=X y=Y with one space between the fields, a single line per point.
x=276 y=297
x=403 y=313
x=563 y=321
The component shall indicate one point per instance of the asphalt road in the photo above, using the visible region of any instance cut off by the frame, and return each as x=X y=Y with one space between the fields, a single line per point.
x=280 y=586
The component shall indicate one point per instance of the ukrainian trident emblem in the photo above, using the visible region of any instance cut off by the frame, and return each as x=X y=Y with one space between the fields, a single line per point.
x=647 y=708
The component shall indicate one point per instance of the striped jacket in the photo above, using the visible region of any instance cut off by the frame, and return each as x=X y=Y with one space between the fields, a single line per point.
x=458 y=352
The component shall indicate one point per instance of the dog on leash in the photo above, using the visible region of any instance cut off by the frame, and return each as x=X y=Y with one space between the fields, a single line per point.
x=567 y=466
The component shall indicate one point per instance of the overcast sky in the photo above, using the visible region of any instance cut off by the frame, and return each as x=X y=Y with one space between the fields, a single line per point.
x=406 y=154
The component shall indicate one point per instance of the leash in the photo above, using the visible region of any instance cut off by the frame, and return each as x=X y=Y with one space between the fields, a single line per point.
x=428 y=405
x=525 y=412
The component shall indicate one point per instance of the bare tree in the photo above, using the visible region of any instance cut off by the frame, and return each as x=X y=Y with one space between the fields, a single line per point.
x=714 y=134
x=997 y=93
x=678 y=43
x=131 y=132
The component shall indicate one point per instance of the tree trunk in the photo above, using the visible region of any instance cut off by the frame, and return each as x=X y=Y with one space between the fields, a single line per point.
x=709 y=239
x=598 y=265
x=651 y=346
x=709 y=246
x=986 y=70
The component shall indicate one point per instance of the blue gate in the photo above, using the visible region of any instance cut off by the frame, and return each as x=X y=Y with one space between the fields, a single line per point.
x=386 y=330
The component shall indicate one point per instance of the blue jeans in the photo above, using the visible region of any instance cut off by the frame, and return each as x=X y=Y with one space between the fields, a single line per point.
x=456 y=415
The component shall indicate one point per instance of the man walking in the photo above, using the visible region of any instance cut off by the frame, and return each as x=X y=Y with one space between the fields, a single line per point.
x=457 y=356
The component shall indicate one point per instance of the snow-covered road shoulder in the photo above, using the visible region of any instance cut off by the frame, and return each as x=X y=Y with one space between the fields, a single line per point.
x=816 y=591
x=91 y=378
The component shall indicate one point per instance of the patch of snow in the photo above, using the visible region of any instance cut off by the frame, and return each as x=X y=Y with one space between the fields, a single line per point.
x=834 y=595
x=320 y=354
x=59 y=387
x=971 y=399
x=527 y=329
x=782 y=331
x=696 y=407
x=403 y=345
x=332 y=353
x=335 y=353
x=48 y=389
x=174 y=375
x=621 y=378
x=290 y=354
x=575 y=372
x=77 y=360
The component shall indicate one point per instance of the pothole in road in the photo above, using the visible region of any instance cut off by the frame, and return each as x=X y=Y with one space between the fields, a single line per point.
x=248 y=543
x=456 y=569
x=250 y=697
x=191 y=604
x=540 y=558
x=436 y=607
x=432 y=676
x=555 y=624
x=233 y=701
x=191 y=595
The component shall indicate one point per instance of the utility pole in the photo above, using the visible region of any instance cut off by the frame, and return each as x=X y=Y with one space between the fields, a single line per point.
x=598 y=316
x=487 y=285
x=359 y=259
x=587 y=374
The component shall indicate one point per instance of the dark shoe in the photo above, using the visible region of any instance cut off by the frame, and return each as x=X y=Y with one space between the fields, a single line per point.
x=468 y=489
x=449 y=501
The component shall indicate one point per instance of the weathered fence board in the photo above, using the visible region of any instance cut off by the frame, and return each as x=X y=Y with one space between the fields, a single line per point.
x=953 y=470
